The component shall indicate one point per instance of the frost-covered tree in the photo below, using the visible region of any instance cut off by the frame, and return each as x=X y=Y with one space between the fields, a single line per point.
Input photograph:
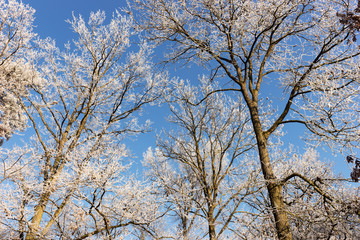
x=198 y=168
x=70 y=181
x=293 y=55
x=16 y=21
x=320 y=205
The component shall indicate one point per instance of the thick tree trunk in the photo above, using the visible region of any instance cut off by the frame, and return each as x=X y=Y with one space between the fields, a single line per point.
x=274 y=188
x=212 y=233
x=275 y=195
x=39 y=211
x=184 y=228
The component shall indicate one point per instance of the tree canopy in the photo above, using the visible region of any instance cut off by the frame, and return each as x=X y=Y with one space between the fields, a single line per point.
x=220 y=169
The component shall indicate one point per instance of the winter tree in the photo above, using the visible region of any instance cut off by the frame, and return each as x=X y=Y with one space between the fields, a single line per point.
x=70 y=181
x=16 y=74
x=321 y=205
x=291 y=62
x=196 y=167
x=183 y=171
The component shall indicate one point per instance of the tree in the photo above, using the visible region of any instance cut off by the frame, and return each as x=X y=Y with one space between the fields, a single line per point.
x=16 y=73
x=299 y=49
x=196 y=168
x=321 y=206
x=69 y=182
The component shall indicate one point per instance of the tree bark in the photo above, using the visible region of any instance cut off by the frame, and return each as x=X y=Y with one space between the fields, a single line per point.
x=212 y=233
x=39 y=211
x=272 y=184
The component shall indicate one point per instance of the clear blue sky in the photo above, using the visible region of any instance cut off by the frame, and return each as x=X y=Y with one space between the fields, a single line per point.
x=50 y=19
x=50 y=15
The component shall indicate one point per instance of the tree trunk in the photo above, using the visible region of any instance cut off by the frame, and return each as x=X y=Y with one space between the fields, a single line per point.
x=212 y=233
x=274 y=188
x=184 y=228
x=38 y=214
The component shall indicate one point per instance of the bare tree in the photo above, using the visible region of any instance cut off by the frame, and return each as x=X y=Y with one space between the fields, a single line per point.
x=298 y=49
x=70 y=180
x=197 y=167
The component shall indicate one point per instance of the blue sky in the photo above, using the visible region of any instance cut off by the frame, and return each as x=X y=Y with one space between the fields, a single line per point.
x=51 y=15
x=50 y=21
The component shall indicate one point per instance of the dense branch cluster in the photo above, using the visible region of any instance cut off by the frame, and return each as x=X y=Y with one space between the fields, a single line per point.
x=351 y=19
x=16 y=74
x=222 y=168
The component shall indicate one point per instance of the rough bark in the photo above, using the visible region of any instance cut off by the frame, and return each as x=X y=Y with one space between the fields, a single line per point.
x=212 y=233
x=272 y=184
